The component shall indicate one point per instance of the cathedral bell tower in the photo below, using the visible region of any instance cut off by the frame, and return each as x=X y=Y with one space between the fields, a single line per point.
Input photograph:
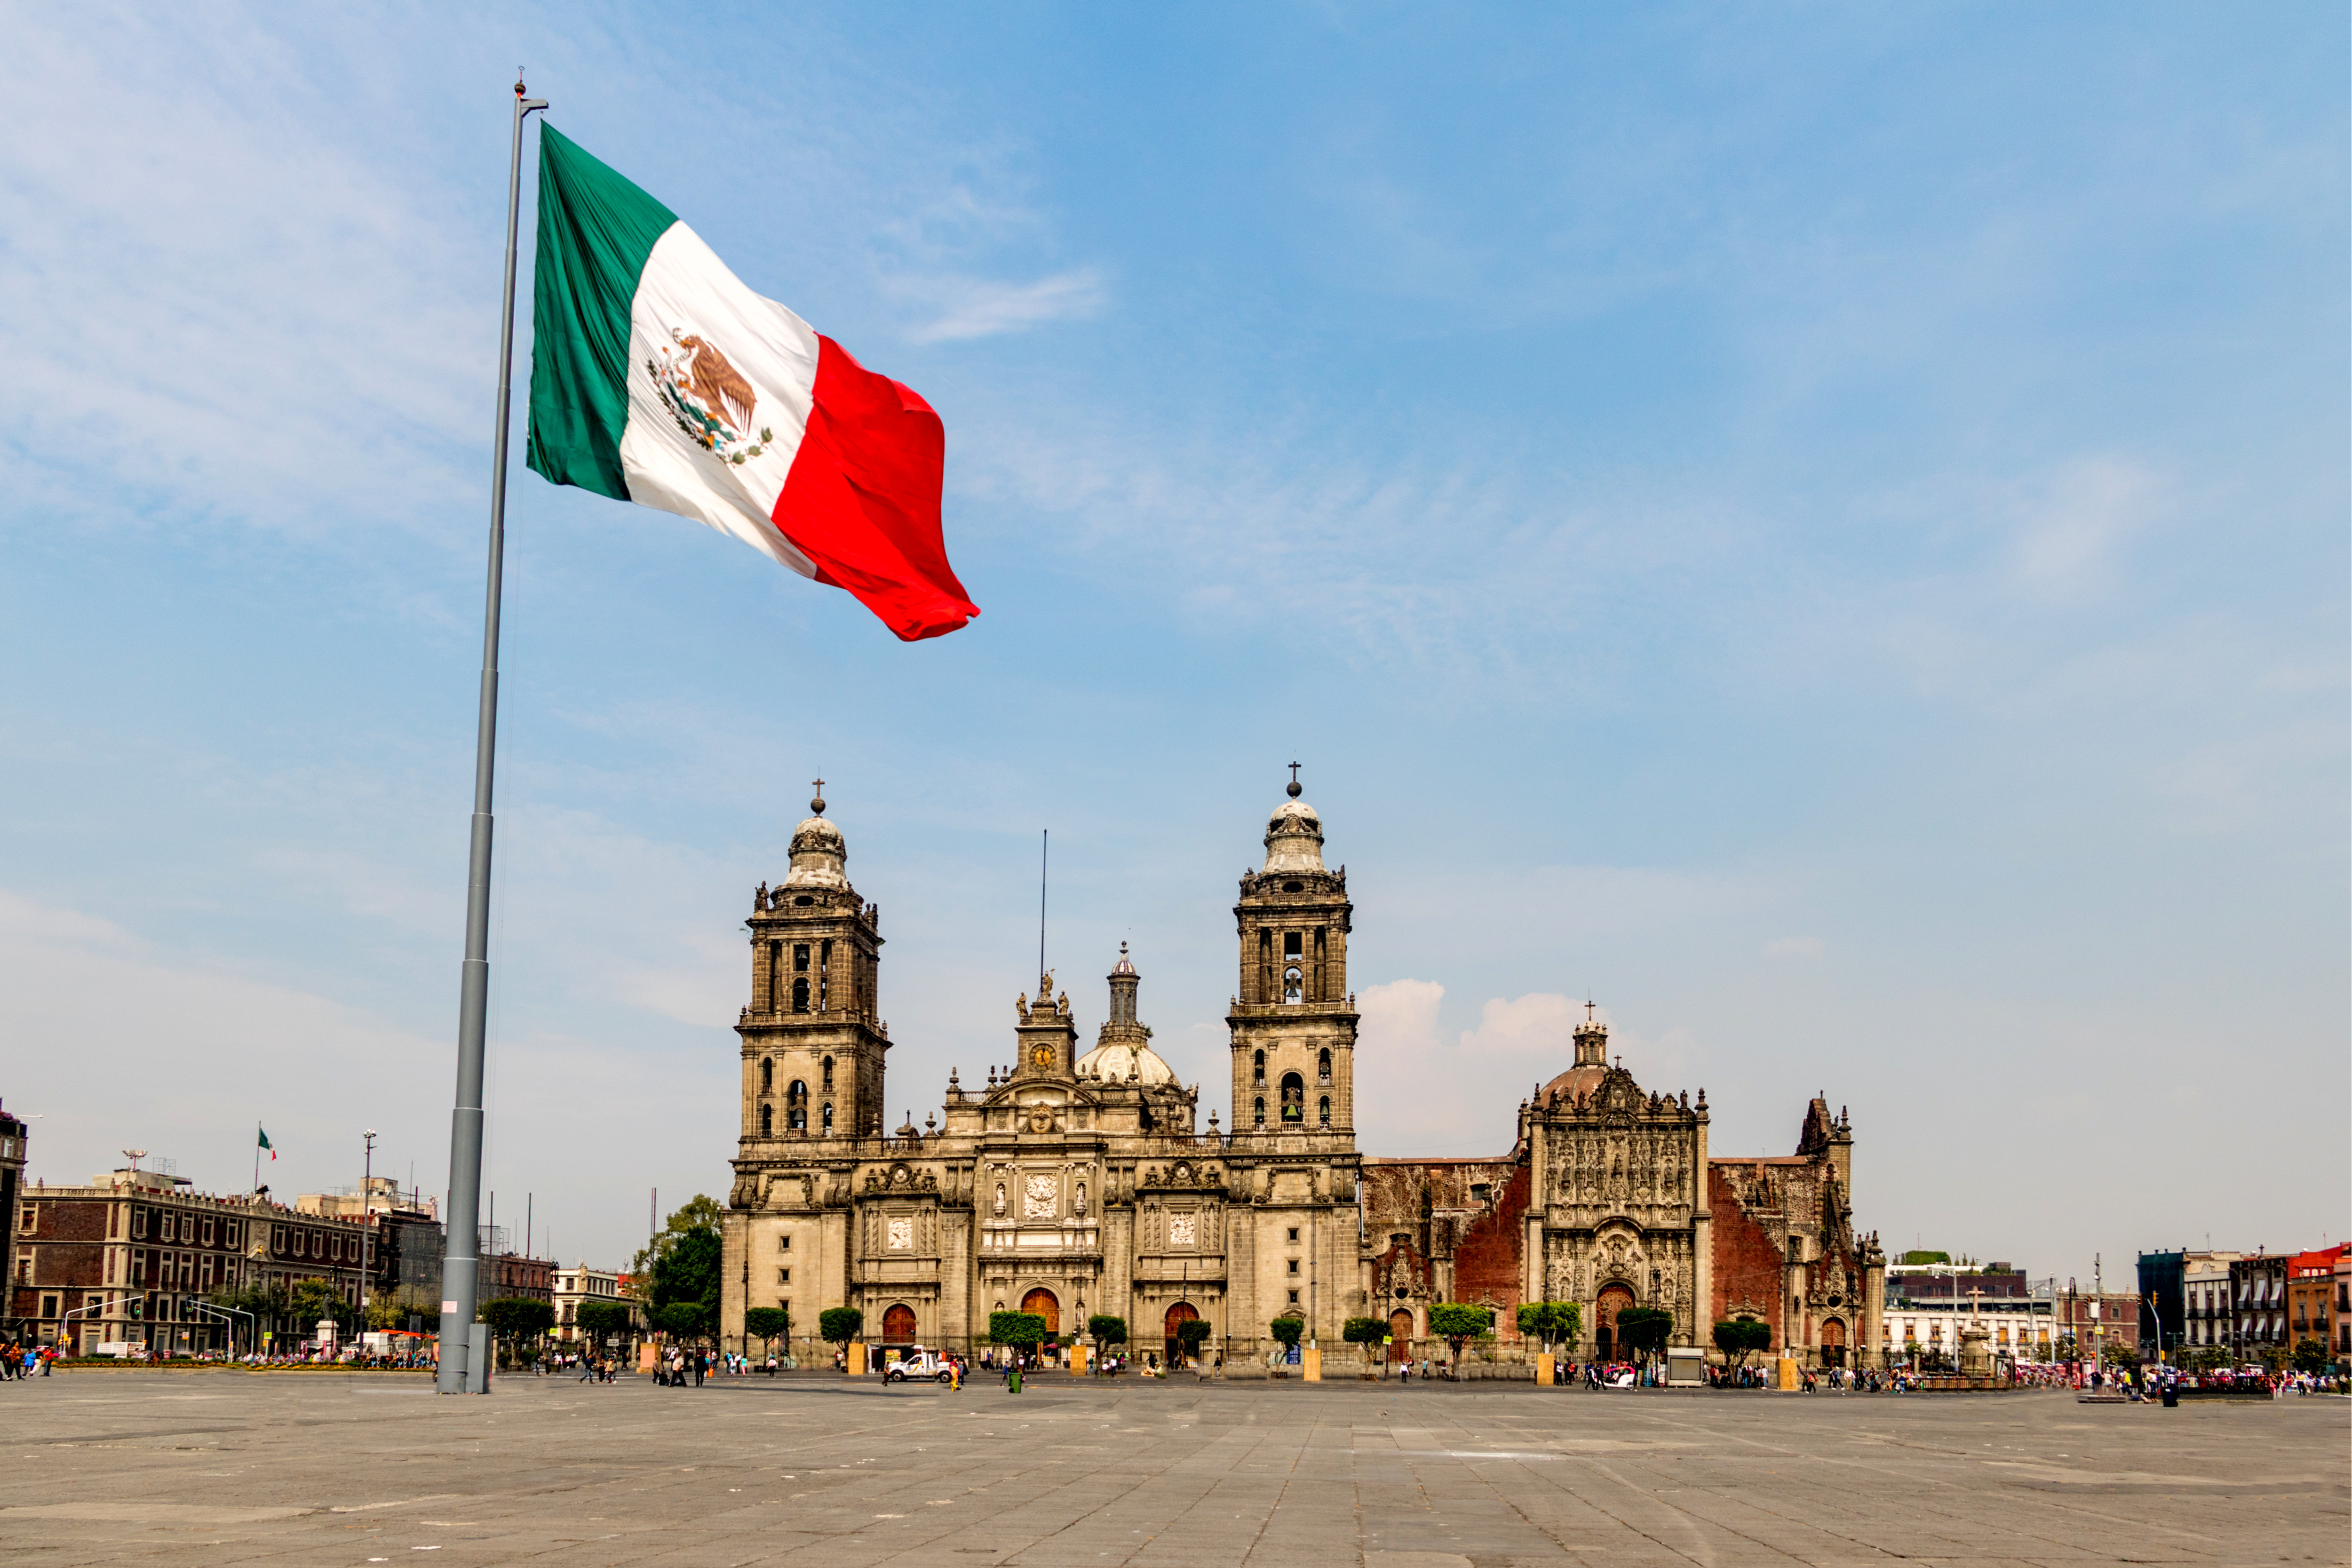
x=814 y=1040
x=1293 y=1021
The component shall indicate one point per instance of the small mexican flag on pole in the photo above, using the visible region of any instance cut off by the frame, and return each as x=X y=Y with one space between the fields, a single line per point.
x=262 y=1143
x=657 y=377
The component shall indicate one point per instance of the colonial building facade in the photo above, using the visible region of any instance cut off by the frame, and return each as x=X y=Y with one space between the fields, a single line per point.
x=1071 y=1183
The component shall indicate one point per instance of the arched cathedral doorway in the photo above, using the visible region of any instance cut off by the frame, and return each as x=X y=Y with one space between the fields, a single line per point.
x=1613 y=1300
x=1832 y=1341
x=1400 y=1334
x=898 y=1325
x=1043 y=1302
x=1171 y=1327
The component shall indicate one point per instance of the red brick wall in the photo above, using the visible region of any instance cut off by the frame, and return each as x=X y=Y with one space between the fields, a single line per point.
x=1487 y=1258
x=1747 y=1264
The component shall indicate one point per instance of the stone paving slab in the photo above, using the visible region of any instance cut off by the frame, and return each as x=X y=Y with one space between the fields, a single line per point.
x=132 y=1468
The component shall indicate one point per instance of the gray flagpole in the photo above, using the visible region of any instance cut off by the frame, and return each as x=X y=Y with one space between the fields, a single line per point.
x=460 y=1264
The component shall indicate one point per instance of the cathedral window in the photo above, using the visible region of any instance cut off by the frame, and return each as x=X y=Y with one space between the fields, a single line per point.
x=767 y=1075
x=775 y=976
x=783 y=1276
x=1291 y=947
x=1294 y=985
x=1257 y=1064
x=824 y=974
x=767 y=1121
x=828 y=1118
x=1261 y=1111
x=1323 y=1064
x=1293 y=1098
x=1323 y=1111
x=828 y=1075
x=1294 y=1265
x=1294 y=1298
x=799 y=995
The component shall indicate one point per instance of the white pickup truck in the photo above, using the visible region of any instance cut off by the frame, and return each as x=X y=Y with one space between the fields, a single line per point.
x=918 y=1363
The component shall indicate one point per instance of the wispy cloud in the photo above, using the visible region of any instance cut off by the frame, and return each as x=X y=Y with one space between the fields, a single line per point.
x=2070 y=533
x=962 y=308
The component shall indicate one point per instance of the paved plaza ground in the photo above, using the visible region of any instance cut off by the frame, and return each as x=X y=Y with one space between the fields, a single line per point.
x=222 y=1467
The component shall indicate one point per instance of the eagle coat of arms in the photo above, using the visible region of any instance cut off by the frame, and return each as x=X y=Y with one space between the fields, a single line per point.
x=708 y=397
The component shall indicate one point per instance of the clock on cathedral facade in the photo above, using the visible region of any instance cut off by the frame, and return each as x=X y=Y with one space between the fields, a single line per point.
x=1071 y=1185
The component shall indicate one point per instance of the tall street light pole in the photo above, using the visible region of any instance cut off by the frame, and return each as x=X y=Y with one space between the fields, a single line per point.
x=461 y=1262
x=367 y=1182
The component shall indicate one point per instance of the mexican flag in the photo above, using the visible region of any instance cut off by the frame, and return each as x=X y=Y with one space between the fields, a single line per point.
x=266 y=1143
x=657 y=377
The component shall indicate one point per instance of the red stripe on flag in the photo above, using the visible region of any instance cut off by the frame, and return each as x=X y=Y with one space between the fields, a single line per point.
x=862 y=501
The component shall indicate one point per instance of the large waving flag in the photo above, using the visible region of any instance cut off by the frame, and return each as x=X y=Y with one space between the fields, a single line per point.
x=657 y=377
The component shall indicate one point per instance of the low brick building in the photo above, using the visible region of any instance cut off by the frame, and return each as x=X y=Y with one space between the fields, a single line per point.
x=2258 y=1303
x=130 y=1257
x=2311 y=1295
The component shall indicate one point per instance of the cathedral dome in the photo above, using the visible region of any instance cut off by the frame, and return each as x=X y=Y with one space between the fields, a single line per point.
x=1577 y=1082
x=1294 y=839
x=1111 y=1062
x=819 y=855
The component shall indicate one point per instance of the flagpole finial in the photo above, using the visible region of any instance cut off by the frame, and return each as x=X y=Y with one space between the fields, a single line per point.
x=816 y=802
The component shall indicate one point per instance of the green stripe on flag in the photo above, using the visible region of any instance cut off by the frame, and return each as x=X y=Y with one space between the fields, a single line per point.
x=596 y=230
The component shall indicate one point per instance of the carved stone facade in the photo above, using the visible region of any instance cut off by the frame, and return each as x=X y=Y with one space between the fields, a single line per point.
x=1609 y=1199
x=1063 y=1184
x=1072 y=1184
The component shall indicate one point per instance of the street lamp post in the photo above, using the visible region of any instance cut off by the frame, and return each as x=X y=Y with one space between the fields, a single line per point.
x=367 y=1177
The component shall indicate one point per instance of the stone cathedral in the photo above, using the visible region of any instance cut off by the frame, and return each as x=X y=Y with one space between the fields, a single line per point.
x=1074 y=1183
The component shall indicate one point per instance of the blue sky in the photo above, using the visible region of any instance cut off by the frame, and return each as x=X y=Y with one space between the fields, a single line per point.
x=1822 y=529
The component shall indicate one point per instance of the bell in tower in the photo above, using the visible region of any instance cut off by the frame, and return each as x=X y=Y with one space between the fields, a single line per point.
x=1293 y=1020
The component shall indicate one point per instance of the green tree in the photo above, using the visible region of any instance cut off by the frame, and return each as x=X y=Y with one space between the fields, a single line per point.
x=315 y=1299
x=839 y=1325
x=513 y=1318
x=1550 y=1323
x=2311 y=1356
x=1363 y=1331
x=1644 y=1330
x=1457 y=1322
x=700 y=1213
x=686 y=1272
x=769 y=1323
x=1020 y=1330
x=1287 y=1331
x=601 y=1320
x=1107 y=1329
x=686 y=1320
x=1189 y=1334
x=1740 y=1337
